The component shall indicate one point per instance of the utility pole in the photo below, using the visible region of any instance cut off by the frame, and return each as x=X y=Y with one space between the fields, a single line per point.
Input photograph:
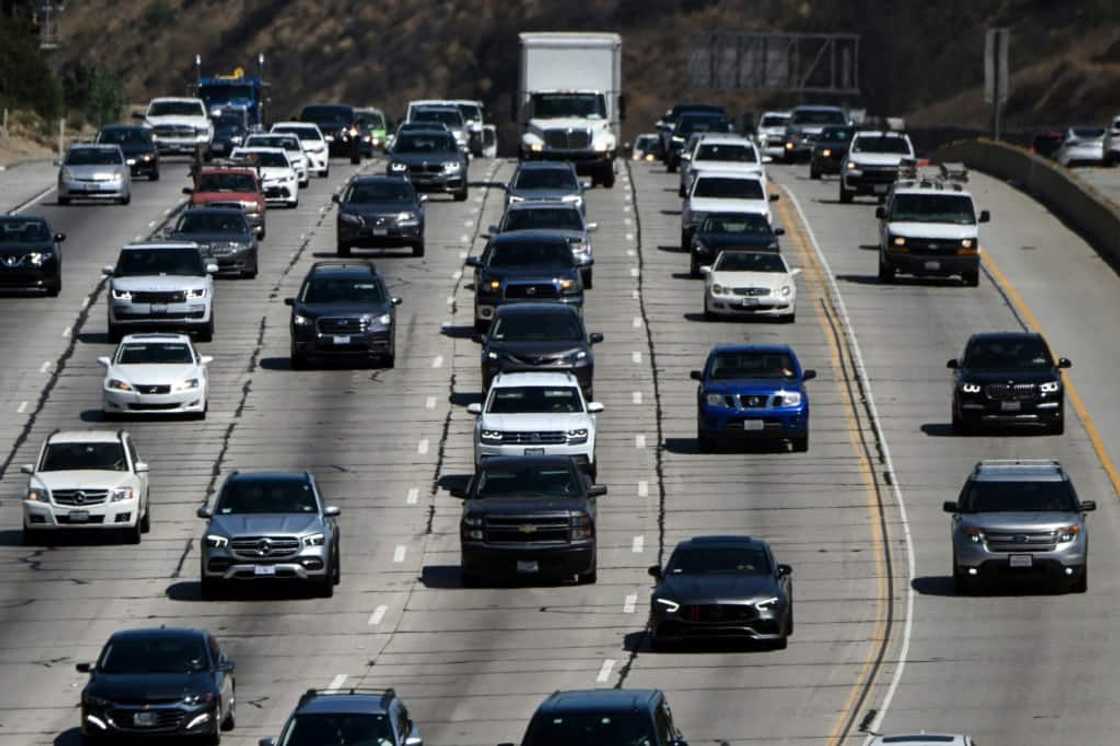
x=997 y=81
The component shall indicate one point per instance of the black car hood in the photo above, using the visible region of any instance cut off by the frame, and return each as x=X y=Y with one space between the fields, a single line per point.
x=835 y=147
x=207 y=238
x=530 y=273
x=552 y=347
x=378 y=208
x=19 y=249
x=342 y=309
x=132 y=149
x=1004 y=376
x=717 y=587
x=414 y=159
x=527 y=505
x=736 y=241
x=148 y=687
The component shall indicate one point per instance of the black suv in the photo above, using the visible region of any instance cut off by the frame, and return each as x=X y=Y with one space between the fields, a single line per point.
x=432 y=161
x=528 y=516
x=138 y=146
x=600 y=716
x=30 y=255
x=336 y=122
x=348 y=716
x=539 y=336
x=1008 y=378
x=158 y=683
x=829 y=150
x=524 y=267
x=343 y=308
x=380 y=211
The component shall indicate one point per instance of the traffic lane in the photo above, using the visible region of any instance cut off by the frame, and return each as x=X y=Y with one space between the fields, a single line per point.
x=969 y=657
x=1104 y=180
x=23 y=182
x=186 y=458
x=815 y=509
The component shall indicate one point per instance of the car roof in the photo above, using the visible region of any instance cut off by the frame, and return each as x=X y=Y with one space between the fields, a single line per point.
x=538 y=235
x=176 y=98
x=346 y=702
x=85 y=436
x=212 y=208
x=724 y=138
x=1019 y=470
x=724 y=173
x=272 y=475
x=531 y=309
x=876 y=133
x=156 y=337
x=533 y=378
x=378 y=179
x=918 y=186
x=1004 y=336
x=545 y=166
x=775 y=114
x=260 y=149
x=159 y=245
x=343 y=268
x=150 y=632
x=95 y=146
x=541 y=204
x=599 y=700
x=817 y=107
x=124 y=126
x=752 y=348
x=920 y=738
x=294 y=123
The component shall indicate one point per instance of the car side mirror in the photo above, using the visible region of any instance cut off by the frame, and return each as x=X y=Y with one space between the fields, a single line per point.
x=784 y=570
x=59 y=237
x=266 y=742
x=985 y=216
x=595 y=338
x=705 y=269
x=953 y=364
x=459 y=492
x=396 y=301
x=423 y=198
x=227 y=666
x=950 y=506
x=767 y=159
x=414 y=741
x=775 y=197
x=779 y=231
x=595 y=407
x=1064 y=362
x=204 y=512
x=336 y=198
x=795 y=272
x=808 y=375
x=486 y=236
x=1088 y=506
x=592 y=227
x=474 y=408
x=211 y=268
x=597 y=490
x=655 y=571
x=206 y=359
x=289 y=301
x=471 y=261
x=188 y=190
x=84 y=667
x=696 y=375
x=494 y=230
x=104 y=361
x=141 y=467
x=27 y=469
x=107 y=270
x=332 y=511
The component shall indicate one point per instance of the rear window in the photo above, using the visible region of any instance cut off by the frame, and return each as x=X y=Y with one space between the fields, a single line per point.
x=736 y=153
x=728 y=188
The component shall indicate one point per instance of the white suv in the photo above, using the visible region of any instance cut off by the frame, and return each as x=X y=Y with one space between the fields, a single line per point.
x=872 y=163
x=535 y=414
x=89 y=480
x=158 y=286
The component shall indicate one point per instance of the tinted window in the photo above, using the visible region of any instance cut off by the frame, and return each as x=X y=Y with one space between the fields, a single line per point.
x=195 y=221
x=700 y=123
x=1088 y=133
x=23 y=231
x=837 y=134
x=453 y=118
x=873 y=144
x=719 y=560
x=984 y=497
x=471 y=112
x=562 y=105
x=93 y=157
x=268 y=159
x=141 y=262
x=125 y=136
x=811 y=116
x=359 y=291
x=272 y=141
x=550 y=254
x=773 y=120
x=722 y=188
x=770 y=365
x=176 y=109
x=425 y=142
x=266 y=495
x=748 y=223
x=749 y=261
x=546 y=178
x=93 y=456
x=528 y=481
x=153 y=353
x=932 y=208
x=535 y=399
x=523 y=327
x=364 y=192
x=226 y=183
x=626 y=728
x=336 y=729
x=737 y=153
x=1009 y=353
x=154 y=654
x=550 y=218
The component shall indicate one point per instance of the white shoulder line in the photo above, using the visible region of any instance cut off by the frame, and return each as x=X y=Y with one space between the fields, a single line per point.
x=857 y=354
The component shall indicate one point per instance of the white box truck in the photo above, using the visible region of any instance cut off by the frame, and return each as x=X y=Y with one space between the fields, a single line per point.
x=569 y=102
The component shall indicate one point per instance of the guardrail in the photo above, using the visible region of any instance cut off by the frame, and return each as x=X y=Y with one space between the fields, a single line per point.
x=1085 y=209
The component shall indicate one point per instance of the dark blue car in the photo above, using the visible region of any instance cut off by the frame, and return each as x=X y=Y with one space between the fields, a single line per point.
x=752 y=393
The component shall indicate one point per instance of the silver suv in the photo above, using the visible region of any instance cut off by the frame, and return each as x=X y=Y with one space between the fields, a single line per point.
x=161 y=285
x=270 y=526
x=1020 y=518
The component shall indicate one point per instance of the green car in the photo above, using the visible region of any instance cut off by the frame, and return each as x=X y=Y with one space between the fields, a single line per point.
x=375 y=130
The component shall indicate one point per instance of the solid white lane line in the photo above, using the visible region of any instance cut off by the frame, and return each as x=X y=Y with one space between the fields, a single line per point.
x=636 y=357
x=457 y=274
x=85 y=303
x=605 y=670
x=631 y=602
x=643 y=488
x=637 y=322
x=430 y=403
x=636 y=397
x=639 y=545
x=66 y=333
x=45 y=366
x=438 y=361
x=337 y=682
x=33 y=201
x=399 y=552
x=413 y=495
x=377 y=615
x=634 y=271
x=21 y=408
x=639 y=441
x=422 y=446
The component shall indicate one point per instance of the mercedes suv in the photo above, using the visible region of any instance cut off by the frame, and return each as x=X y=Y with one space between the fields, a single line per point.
x=270 y=526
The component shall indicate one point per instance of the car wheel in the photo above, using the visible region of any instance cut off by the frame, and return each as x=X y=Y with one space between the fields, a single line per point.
x=126 y=199
x=207 y=333
x=680 y=192
x=469 y=579
x=297 y=361
x=250 y=274
x=962 y=582
x=705 y=442
x=418 y=249
x=116 y=334
x=886 y=273
x=30 y=537
x=327 y=584
x=146 y=519
x=63 y=201
x=588 y=578
x=461 y=196
x=684 y=241
x=845 y=195
x=959 y=425
x=608 y=177
x=671 y=167
x=344 y=248
x=781 y=643
x=790 y=318
x=132 y=534
x=693 y=266
x=971 y=279
x=54 y=288
x=1081 y=585
x=801 y=444
x=262 y=232
x=230 y=720
x=481 y=325
x=588 y=282
x=154 y=175
x=814 y=174
x=1059 y=426
x=210 y=588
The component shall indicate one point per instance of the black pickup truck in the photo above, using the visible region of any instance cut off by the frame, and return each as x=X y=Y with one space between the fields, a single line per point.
x=528 y=517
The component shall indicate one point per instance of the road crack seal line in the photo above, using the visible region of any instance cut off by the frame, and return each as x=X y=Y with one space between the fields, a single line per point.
x=659 y=414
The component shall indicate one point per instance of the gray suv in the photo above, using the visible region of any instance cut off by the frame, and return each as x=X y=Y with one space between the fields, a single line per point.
x=1020 y=518
x=349 y=716
x=270 y=526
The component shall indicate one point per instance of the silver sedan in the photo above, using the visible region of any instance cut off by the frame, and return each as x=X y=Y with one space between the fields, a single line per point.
x=95 y=172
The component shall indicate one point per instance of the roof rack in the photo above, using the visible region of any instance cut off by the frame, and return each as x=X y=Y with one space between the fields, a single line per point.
x=921 y=174
x=1011 y=462
x=343 y=263
x=385 y=694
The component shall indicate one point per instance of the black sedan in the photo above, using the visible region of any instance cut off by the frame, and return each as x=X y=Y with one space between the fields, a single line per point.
x=30 y=255
x=138 y=146
x=379 y=211
x=727 y=231
x=539 y=336
x=224 y=236
x=720 y=587
x=829 y=150
x=158 y=683
x=431 y=160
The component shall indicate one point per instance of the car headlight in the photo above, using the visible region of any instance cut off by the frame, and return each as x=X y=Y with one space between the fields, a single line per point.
x=1068 y=533
x=147 y=157
x=717 y=289
x=898 y=241
x=577 y=436
x=492 y=287
x=187 y=385
x=384 y=319
x=789 y=146
x=513 y=199
x=566 y=284
x=716 y=400
x=300 y=320
x=788 y=398
x=122 y=294
x=669 y=606
x=398 y=167
x=37 y=257
x=119 y=385
x=314 y=540
x=38 y=495
x=786 y=290
x=851 y=166
x=572 y=199
x=577 y=355
x=198 y=698
x=766 y=603
x=120 y=494
x=406 y=217
x=452 y=166
x=215 y=541
x=536 y=147
x=826 y=152
x=491 y=435
x=491 y=356
x=350 y=218
x=966 y=243
x=970 y=388
x=196 y=293
x=974 y=535
x=131 y=161
x=1050 y=387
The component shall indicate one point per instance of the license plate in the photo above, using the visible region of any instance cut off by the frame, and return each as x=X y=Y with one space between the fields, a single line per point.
x=750 y=301
x=1021 y=560
x=933 y=265
x=79 y=516
x=528 y=566
x=534 y=451
x=1010 y=406
x=753 y=424
x=880 y=188
x=264 y=569
x=145 y=719
x=380 y=231
x=159 y=308
x=341 y=340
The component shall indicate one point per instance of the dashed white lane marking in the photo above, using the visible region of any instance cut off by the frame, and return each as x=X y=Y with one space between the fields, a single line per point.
x=643 y=488
x=605 y=671
x=438 y=361
x=462 y=255
x=631 y=602
x=635 y=295
x=45 y=366
x=151 y=224
x=639 y=545
x=637 y=397
x=627 y=221
x=465 y=238
x=457 y=274
x=377 y=615
x=451 y=300
x=629 y=236
x=639 y=441
x=626 y=208
x=636 y=357
x=468 y=223
x=85 y=303
x=168 y=210
x=66 y=333
x=631 y=252
x=637 y=322
x=21 y=408
x=474 y=211
x=430 y=403
x=413 y=495
x=634 y=271
x=422 y=446
x=337 y=682
x=399 y=552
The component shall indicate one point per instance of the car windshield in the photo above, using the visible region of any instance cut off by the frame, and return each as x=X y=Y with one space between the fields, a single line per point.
x=332 y=115
x=818 y=116
x=1012 y=353
x=544 y=218
x=453 y=118
x=525 y=254
x=265 y=158
x=425 y=142
x=537 y=327
x=728 y=188
x=93 y=157
x=768 y=365
x=147 y=262
x=1088 y=133
x=998 y=497
x=644 y=142
x=84 y=456
x=532 y=480
x=346 y=290
x=226 y=183
x=219 y=94
x=535 y=400
x=837 y=134
x=736 y=153
x=176 y=109
x=749 y=261
x=151 y=353
x=371 y=120
x=569 y=105
x=125 y=136
x=471 y=112
x=266 y=495
x=546 y=178
x=368 y=192
x=623 y=728
x=932 y=208
x=747 y=223
x=23 y=231
x=290 y=143
x=338 y=729
x=154 y=654
x=774 y=120
x=226 y=221
x=305 y=134
x=881 y=144
x=719 y=561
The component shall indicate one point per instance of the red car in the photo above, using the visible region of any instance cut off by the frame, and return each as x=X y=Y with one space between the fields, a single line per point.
x=230 y=186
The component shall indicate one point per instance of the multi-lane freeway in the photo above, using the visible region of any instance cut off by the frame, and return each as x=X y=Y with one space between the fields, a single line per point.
x=880 y=635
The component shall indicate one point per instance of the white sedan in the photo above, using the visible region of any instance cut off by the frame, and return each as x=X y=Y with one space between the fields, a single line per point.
x=750 y=283
x=279 y=180
x=155 y=374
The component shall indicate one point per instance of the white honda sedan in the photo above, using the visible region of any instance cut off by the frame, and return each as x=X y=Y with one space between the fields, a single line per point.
x=750 y=284
x=155 y=374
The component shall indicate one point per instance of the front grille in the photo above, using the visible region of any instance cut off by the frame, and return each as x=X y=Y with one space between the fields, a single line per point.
x=156 y=296
x=80 y=497
x=1008 y=541
x=880 y=175
x=165 y=719
x=533 y=438
x=718 y=613
x=15 y=261
x=173 y=130
x=425 y=168
x=751 y=292
x=265 y=547
x=567 y=139
x=153 y=407
x=1012 y=391
x=526 y=529
x=153 y=389
x=753 y=401
x=543 y=290
x=235 y=205
x=274 y=192
x=932 y=245
x=537 y=360
x=93 y=519
x=340 y=325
